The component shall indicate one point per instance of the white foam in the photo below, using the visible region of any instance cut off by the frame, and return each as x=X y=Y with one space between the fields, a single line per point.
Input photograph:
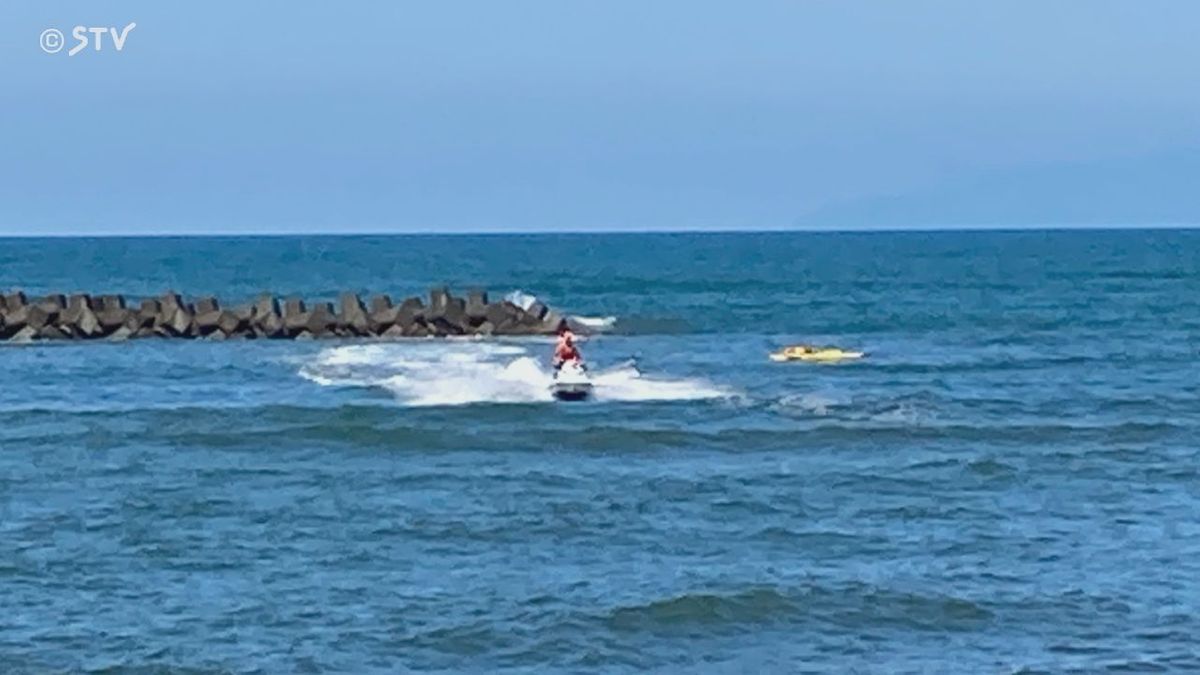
x=596 y=323
x=815 y=403
x=626 y=383
x=521 y=299
x=461 y=373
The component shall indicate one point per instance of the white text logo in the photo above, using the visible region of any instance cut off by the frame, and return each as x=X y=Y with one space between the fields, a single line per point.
x=52 y=39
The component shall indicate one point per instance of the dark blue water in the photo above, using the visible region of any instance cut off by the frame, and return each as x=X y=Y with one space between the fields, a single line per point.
x=1010 y=482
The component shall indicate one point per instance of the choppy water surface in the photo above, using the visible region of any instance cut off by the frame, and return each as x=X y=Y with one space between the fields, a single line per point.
x=1009 y=482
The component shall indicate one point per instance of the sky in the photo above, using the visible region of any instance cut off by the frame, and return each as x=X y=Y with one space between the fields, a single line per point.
x=277 y=117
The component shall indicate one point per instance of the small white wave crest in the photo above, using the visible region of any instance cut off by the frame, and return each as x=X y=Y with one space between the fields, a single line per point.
x=592 y=323
x=815 y=403
x=461 y=373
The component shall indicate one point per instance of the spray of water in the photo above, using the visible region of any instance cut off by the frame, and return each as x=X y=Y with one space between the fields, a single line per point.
x=464 y=372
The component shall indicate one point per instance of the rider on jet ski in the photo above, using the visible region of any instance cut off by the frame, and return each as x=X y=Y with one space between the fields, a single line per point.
x=565 y=349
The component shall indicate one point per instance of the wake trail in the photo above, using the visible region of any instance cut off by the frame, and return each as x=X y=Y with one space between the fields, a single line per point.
x=462 y=373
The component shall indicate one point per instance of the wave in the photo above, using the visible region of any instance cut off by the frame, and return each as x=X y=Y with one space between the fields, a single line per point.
x=594 y=323
x=551 y=630
x=753 y=605
x=459 y=372
x=811 y=403
x=851 y=604
x=371 y=422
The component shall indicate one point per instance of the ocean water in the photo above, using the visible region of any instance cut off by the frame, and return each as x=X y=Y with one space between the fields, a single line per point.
x=1010 y=482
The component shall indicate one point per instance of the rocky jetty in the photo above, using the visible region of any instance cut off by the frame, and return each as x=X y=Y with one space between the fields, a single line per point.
x=114 y=317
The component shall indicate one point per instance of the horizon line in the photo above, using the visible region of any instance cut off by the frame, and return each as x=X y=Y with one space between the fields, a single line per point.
x=1097 y=227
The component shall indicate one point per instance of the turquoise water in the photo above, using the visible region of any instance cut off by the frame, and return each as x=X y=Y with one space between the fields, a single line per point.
x=1010 y=482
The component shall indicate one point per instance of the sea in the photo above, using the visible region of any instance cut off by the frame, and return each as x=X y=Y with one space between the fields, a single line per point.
x=1008 y=482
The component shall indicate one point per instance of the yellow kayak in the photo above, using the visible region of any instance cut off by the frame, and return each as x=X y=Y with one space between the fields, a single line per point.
x=810 y=353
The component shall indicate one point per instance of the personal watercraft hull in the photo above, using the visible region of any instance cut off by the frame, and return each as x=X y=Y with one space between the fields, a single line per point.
x=571 y=392
x=571 y=383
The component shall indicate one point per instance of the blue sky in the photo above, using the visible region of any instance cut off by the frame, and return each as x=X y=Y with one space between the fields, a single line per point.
x=229 y=117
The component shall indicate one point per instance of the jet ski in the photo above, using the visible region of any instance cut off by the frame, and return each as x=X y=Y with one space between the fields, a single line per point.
x=811 y=353
x=572 y=382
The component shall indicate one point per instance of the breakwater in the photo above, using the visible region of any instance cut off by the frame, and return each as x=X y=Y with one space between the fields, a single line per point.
x=115 y=317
